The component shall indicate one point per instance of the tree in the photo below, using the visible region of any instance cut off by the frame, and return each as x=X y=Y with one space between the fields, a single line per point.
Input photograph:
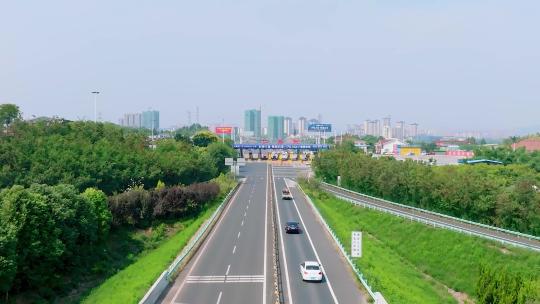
x=204 y=138
x=218 y=152
x=9 y=113
x=98 y=201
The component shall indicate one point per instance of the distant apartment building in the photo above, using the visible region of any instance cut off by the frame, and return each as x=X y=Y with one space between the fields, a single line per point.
x=275 y=128
x=399 y=130
x=413 y=130
x=387 y=127
x=302 y=126
x=131 y=120
x=288 y=128
x=372 y=127
x=150 y=120
x=252 y=122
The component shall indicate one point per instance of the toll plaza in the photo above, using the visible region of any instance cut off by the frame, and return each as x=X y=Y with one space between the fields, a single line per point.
x=303 y=152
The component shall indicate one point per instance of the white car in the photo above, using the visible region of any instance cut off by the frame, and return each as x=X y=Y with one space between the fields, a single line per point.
x=311 y=271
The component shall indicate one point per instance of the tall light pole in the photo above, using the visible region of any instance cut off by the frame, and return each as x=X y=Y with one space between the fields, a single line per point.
x=95 y=104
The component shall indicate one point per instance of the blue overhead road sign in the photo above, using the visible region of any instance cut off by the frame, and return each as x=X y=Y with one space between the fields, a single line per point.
x=281 y=147
x=320 y=128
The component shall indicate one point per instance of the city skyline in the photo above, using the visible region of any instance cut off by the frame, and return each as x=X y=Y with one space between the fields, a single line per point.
x=428 y=62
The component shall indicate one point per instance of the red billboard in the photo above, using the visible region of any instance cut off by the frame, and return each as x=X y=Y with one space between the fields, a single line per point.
x=224 y=130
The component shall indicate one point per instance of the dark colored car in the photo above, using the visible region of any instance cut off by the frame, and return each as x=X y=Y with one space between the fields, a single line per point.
x=292 y=227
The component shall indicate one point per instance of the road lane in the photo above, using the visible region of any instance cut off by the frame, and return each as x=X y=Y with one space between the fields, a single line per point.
x=298 y=248
x=230 y=266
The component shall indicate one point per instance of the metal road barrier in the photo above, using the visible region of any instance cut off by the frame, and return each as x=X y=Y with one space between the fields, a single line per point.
x=167 y=277
x=278 y=282
x=376 y=296
x=436 y=219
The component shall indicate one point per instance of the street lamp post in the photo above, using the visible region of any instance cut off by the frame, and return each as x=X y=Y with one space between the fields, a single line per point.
x=95 y=104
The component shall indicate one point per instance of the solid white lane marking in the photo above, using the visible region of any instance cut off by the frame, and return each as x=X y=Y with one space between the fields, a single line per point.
x=265 y=235
x=234 y=249
x=210 y=237
x=228 y=268
x=282 y=244
x=313 y=247
x=238 y=236
x=219 y=297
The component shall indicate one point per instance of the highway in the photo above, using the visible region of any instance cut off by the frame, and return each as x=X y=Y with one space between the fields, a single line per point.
x=314 y=244
x=233 y=264
x=447 y=222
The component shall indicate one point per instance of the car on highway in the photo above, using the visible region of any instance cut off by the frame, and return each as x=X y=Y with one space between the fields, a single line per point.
x=286 y=194
x=311 y=271
x=292 y=227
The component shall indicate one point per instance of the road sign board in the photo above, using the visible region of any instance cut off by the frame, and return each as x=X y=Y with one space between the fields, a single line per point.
x=241 y=162
x=356 y=244
x=320 y=128
x=224 y=130
x=229 y=162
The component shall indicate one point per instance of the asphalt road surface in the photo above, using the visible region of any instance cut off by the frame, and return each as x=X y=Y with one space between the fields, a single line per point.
x=233 y=265
x=312 y=244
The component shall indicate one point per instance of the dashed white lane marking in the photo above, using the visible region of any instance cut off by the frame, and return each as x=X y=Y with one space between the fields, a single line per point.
x=228 y=268
x=234 y=249
x=238 y=236
x=219 y=297
x=245 y=213
x=247 y=207
x=242 y=223
x=212 y=234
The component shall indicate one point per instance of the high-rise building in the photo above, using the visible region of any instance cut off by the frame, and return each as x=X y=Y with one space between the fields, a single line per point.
x=131 y=120
x=399 y=130
x=413 y=130
x=252 y=122
x=150 y=120
x=387 y=127
x=275 y=128
x=288 y=127
x=302 y=126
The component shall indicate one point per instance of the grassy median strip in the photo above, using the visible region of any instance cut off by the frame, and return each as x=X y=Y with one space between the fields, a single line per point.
x=410 y=262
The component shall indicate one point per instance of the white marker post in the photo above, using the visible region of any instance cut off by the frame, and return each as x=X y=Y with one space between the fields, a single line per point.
x=356 y=244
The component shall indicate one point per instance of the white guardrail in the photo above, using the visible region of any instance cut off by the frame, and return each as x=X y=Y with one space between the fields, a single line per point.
x=161 y=284
x=436 y=223
x=376 y=296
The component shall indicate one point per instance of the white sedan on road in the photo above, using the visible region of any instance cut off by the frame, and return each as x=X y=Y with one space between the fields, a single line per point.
x=311 y=271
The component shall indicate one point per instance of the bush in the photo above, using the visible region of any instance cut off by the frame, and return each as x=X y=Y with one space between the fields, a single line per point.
x=140 y=207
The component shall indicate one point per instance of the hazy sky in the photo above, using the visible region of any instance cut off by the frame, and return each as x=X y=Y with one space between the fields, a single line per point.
x=455 y=64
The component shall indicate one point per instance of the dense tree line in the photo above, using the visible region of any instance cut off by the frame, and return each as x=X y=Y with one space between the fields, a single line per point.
x=504 y=196
x=105 y=156
x=508 y=155
x=55 y=215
